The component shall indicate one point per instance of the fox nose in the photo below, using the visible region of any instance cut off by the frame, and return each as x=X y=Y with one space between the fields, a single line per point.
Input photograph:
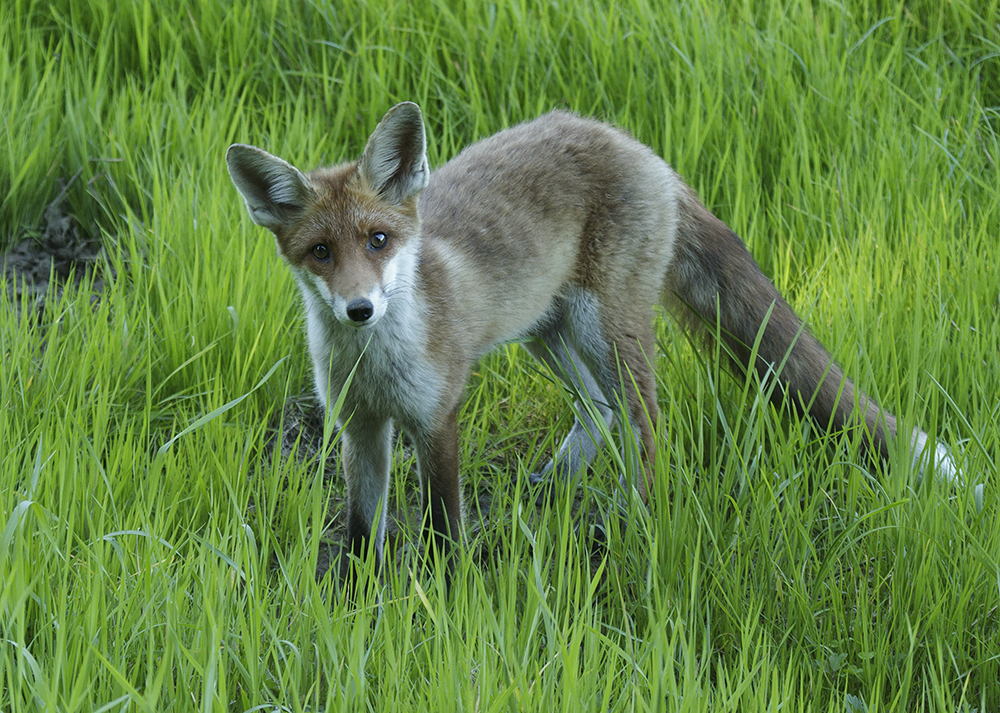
x=360 y=310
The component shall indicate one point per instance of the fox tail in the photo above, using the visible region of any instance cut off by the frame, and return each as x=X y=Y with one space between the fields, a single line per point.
x=715 y=287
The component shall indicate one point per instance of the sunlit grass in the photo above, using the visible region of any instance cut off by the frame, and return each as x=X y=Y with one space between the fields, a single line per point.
x=854 y=147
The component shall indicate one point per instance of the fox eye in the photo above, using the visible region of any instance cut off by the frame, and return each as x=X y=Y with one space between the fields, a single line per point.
x=377 y=240
x=321 y=252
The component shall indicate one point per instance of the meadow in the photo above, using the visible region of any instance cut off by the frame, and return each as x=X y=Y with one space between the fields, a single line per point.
x=163 y=510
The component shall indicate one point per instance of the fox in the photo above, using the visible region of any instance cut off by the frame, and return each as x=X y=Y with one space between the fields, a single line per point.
x=562 y=234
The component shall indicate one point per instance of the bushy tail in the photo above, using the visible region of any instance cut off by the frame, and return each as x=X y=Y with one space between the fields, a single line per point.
x=713 y=280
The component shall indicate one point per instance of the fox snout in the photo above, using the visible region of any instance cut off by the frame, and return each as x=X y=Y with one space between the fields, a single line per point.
x=368 y=287
x=355 y=308
x=360 y=310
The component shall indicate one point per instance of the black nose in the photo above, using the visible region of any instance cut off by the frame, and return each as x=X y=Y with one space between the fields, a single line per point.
x=360 y=310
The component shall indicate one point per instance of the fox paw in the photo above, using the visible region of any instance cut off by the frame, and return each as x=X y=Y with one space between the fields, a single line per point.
x=545 y=488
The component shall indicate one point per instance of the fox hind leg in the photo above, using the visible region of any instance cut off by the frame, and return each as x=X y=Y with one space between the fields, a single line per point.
x=619 y=353
x=585 y=438
x=608 y=361
x=633 y=374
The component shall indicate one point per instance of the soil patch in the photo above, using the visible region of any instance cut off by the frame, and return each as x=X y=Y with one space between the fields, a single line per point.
x=62 y=254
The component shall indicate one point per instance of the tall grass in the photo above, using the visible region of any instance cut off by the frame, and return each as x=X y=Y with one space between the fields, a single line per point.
x=854 y=146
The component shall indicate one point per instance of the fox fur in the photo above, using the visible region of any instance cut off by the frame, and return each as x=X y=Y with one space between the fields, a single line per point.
x=561 y=233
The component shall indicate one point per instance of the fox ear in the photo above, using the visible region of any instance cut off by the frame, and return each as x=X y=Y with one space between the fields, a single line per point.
x=276 y=192
x=394 y=162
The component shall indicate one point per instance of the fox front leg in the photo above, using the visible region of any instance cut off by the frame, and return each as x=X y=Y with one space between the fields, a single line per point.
x=366 y=454
x=440 y=487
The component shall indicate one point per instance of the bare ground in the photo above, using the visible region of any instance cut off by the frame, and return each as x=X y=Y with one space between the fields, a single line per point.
x=39 y=268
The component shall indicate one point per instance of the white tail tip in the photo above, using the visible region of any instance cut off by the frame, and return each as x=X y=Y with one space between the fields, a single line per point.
x=945 y=468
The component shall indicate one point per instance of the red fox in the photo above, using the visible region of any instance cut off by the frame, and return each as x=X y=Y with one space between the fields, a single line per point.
x=561 y=233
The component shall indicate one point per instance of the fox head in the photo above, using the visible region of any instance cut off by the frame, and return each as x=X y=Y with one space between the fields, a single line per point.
x=350 y=232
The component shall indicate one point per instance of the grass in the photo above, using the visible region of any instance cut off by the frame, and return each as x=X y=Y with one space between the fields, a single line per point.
x=854 y=146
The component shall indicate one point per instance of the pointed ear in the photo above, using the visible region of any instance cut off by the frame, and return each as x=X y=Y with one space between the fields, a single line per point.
x=276 y=193
x=394 y=162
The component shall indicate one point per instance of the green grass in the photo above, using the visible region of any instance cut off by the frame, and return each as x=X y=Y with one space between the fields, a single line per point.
x=854 y=146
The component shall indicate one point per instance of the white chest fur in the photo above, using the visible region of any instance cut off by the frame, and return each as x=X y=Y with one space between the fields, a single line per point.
x=392 y=376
